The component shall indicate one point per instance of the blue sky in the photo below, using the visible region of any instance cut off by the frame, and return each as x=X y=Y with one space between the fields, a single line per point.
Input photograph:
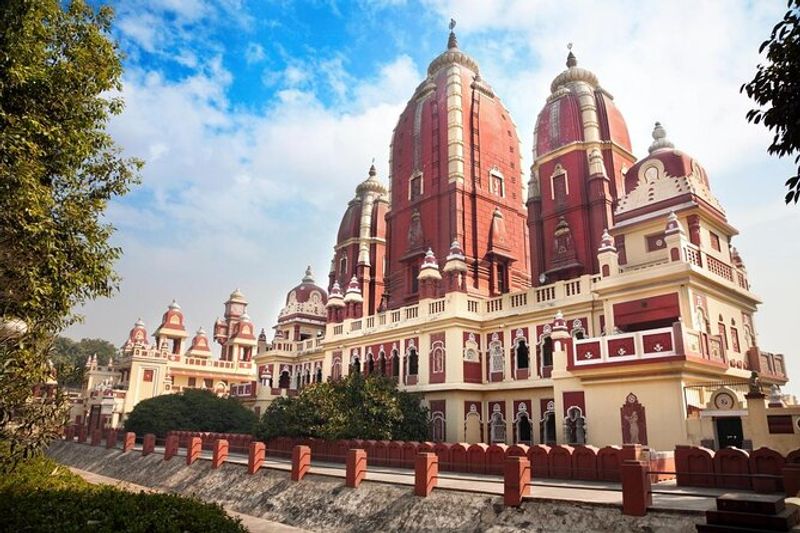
x=257 y=119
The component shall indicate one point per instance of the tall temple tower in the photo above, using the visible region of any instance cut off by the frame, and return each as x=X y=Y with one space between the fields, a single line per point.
x=581 y=151
x=456 y=176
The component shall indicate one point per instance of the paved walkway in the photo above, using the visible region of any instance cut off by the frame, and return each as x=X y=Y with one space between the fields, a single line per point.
x=667 y=495
x=252 y=523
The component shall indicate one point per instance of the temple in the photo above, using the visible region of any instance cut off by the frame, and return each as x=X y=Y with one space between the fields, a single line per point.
x=596 y=299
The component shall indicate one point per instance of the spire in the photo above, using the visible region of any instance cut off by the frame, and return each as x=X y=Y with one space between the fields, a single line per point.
x=309 y=277
x=660 y=140
x=452 y=42
x=572 y=61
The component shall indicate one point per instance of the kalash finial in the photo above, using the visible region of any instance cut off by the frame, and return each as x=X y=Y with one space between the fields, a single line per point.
x=372 y=171
x=452 y=42
x=572 y=61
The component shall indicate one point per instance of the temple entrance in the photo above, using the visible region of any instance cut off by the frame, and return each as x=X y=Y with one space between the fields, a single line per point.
x=729 y=431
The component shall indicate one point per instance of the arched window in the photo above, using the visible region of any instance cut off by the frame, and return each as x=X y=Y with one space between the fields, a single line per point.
x=343 y=268
x=355 y=367
x=318 y=376
x=547 y=351
x=413 y=362
x=523 y=354
x=438 y=358
x=395 y=364
x=336 y=370
x=497 y=426
x=284 y=380
x=382 y=363
x=370 y=364
x=437 y=427
x=495 y=357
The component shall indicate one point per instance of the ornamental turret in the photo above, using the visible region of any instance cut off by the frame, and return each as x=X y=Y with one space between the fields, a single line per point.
x=429 y=276
x=200 y=347
x=581 y=150
x=455 y=159
x=137 y=335
x=172 y=331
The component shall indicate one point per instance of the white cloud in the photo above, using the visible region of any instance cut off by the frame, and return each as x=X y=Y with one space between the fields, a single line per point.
x=236 y=198
x=254 y=53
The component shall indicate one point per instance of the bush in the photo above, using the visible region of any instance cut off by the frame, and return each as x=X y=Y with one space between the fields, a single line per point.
x=191 y=410
x=42 y=495
x=356 y=407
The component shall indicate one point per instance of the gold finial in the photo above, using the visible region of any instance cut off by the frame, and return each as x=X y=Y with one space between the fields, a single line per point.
x=452 y=24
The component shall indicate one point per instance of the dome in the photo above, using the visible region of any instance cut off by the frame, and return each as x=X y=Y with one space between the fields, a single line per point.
x=578 y=109
x=667 y=176
x=138 y=335
x=237 y=296
x=307 y=298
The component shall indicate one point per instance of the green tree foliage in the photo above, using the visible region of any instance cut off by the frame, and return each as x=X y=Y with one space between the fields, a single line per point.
x=356 y=407
x=191 y=410
x=776 y=90
x=42 y=495
x=59 y=72
x=69 y=357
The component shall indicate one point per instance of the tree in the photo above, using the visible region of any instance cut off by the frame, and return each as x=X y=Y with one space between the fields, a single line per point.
x=191 y=410
x=69 y=357
x=59 y=167
x=356 y=407
x=776 y=90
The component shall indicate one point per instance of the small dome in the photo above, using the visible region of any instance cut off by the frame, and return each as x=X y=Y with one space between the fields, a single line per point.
x=563 y=119
x=307 y=298
x=353 y=294
x=245 y=317
x=456 y=261
x=371 y=184
x=174 y=306
x=237 y=296
x=573 y=74
x=452 y=55
x=335 y=299
x=666 y=174
x=139 y=323
x=430 y=267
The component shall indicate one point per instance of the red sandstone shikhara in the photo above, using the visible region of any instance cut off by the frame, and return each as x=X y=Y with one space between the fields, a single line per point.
x=596 y=300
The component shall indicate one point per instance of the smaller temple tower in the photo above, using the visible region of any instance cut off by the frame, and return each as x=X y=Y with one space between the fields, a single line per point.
x=172 y=331
x=360 y=249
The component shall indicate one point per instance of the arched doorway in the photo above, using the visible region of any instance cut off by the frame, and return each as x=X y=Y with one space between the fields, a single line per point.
x=472 y=425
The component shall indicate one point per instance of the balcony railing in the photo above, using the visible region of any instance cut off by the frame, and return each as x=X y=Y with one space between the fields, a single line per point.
x=625 y=347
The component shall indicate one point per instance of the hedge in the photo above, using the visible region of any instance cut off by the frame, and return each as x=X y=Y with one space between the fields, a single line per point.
x=41 y=495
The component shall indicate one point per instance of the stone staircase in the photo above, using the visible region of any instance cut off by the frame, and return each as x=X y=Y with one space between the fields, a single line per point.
x=751 y=512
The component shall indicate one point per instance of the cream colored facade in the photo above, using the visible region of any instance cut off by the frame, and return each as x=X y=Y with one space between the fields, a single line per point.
x=672 y=384
x=144 y=370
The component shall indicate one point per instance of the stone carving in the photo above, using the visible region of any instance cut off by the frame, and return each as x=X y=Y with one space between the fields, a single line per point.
x=634 y=423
